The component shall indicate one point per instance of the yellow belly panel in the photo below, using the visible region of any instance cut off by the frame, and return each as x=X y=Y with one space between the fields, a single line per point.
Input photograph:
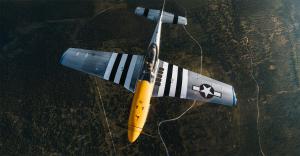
x=139 y=109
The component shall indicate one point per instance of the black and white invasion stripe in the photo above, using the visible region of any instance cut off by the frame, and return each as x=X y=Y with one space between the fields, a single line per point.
x=174 y=81
x=175 y=19
x=120 y=68
x=146 y=11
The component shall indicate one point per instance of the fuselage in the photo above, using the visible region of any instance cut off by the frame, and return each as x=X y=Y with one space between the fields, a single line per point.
x=141 y=100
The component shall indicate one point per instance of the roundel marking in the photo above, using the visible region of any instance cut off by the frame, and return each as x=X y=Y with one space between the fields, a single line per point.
x=206 y=91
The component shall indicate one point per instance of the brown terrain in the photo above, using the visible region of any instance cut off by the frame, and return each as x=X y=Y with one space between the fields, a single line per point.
x=47 y=109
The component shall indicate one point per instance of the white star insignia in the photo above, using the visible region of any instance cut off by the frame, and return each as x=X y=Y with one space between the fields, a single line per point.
x=206 y=91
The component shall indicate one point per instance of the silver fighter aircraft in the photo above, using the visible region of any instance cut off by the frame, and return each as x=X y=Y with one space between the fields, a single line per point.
x=148 y=76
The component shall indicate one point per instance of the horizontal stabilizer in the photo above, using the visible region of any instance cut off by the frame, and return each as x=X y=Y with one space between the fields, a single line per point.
x=153 y=15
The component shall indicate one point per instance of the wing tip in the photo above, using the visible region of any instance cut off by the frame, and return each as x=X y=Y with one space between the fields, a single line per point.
x=63 y=56
x=234 y=99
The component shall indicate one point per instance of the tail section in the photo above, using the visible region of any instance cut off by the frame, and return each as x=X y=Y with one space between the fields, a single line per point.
x=154 y=15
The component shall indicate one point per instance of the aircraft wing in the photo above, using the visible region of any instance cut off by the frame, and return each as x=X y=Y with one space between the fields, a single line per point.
x=174 y=81
x=120 y=68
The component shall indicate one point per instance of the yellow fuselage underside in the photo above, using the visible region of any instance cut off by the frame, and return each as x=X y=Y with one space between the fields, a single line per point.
x=139 y=109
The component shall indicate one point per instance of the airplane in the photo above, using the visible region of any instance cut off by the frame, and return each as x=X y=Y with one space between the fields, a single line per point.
x=148 y=76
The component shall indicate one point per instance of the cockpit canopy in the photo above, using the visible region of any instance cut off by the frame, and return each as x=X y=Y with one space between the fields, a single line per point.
x=150 y=63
